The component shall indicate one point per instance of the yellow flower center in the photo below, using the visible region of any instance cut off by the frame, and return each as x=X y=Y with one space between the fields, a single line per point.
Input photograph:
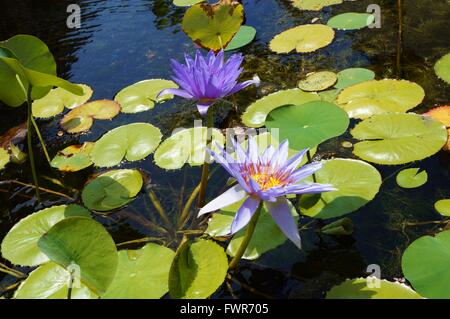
x=266 y=181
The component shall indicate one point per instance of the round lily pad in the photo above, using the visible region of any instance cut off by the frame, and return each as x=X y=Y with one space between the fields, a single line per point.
x=393 y=139
x=314 y=5
x=186 y=146
x=73 y=158
x=329 y=95
x=411 y=178
x=304 y=39
x=377 y=97
x=112 y=189
x=443 y=207
x=244 y=36
x=256 y=113
x=351 y=21
x=81 y=118
x=186 y=3
x=442 y=68
x=132 y=141
x=4 y=158
x=356 y=182
x=352 y=76
x=142 y=96
x=425 y=265
x=20 y=244
x=318 y=81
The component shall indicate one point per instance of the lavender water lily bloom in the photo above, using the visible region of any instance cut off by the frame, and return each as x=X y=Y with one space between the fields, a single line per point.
x=207 y=79
x=268 y=177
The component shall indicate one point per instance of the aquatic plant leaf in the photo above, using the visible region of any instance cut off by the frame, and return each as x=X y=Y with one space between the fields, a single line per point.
x=244 y=36
x=304 y=39
x=4 y=158
x=411 y=178
x=213 y=26
x=198 y=270
x=329 y=95
x=132 y=142
x=351 y=21
x=314 y=5
x=256 y=113
x=141 y=96
x=359 y=289
x=73 y=158
x=308 y=125
x=393 y=139
x=378 y=97
x=142 y=274
x=51 y=281
x=352 y=76
x=112 y=189
x=425 y=265
x=81 y=118
x=442 y=68
x=341 y=227
x=85 y=244
x=318 y=81
x=20 y=244
x=356 y=182
x=186 y=146
x=443 y=207
x=186 y=3
x=54 y=102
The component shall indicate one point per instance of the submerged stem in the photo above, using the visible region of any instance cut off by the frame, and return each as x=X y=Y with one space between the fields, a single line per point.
x=205 y=167
x=157 y=204
x=38 y=133
x=308 y=154
x=30 y=144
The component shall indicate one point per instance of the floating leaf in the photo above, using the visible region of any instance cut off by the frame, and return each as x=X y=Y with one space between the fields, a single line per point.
x=81 y=118
x=20 y=244
x=443 y=207
x=318 y=81
x=51 y=281
x=377 y=97
x=112 y=189
x=304 y=39
x=411 y=178
x=360 y=289
x=4 y=158
x=186 y=146
x=255 y=115
x=213 y=26
x=442 y=68
x=329 y=95
x=54 y=102
x=425 y=265
x=340 y=227
x=132 y=141
x=198 y=270
x=244 y=36
x=314 y=5
x=141 y=96
x=308 y=125
x=186 y=3
x=352 y=76
x=84 y=243
x=73 y=158
x=141 y=274
x=351 y=21
x=356 y=182
x=393 y=139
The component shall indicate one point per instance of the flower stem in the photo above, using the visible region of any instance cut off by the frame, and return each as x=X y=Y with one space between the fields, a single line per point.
x=308 y=154
x=248 y=236
x=38 y=132
x=30 y=144
x=205 y=168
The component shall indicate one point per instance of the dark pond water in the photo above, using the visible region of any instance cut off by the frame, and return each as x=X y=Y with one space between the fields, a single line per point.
x=121 y=42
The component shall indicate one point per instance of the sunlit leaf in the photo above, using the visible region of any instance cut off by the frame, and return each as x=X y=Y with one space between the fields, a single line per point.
x=352 y=76
x=318 y=81
x=411 y=178
x=351 y=21
x=443 y=207
x=73 y=158
x=442 y=68
x=186 y=3
x=4 y=158
x=314 y=5
x=244 y=36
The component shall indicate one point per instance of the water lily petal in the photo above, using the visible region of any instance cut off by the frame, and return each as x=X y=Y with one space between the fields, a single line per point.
x=245 y=213
x=281 y=214
x=312 y=188
x=178 y=92
x=231 y=196
x=305 y=171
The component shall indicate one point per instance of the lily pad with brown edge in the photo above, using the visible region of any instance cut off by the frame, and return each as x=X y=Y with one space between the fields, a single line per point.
x=318 y=81
x=304 y=39
x=314 y=5
x=81 y=118
x=73 y=158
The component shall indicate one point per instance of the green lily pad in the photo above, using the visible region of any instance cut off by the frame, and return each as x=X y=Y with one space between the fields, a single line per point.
x=443 y=207
x=73 y=158
x=425 y=265
x=411 y=178
x=186 y=146
x=314 y=5
x=377 y=97
x=318 y=81
x=4 y=158
x=51 y=281
x=308 y=125
x=304 y=39
x=20 y=244
x=255 y=115
x=142 y=96
x=359 y=289
x=213 y=26
x=142 y=274
x=81 y=118
x=132 y=141
x=244 y=36
x=356 y=182
x=112 y=189
x=54 y=102
x=186 y=3
x=393 y=139
x=198 y=270
x=442 y=68
x=329 y=95
x=353 y=76
x=351 y=21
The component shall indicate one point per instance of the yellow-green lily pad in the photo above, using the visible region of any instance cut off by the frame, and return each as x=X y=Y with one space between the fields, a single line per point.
x=351 y=21
x=4 y=158
x=442 y=68
x=443 y=207
x=411 y=178
x=314 y=5
x=318 y=81
x=73 y=158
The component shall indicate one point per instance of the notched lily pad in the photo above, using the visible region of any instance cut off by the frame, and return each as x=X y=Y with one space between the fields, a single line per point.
x=244 y=36
x=411 y=178
x=73 y=158
x=351 y=21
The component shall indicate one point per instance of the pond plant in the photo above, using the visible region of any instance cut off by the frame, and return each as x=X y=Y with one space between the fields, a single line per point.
x=275 y=180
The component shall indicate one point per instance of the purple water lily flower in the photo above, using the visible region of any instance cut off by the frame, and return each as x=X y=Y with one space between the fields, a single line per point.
x=206 y=79
x=267 y=177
